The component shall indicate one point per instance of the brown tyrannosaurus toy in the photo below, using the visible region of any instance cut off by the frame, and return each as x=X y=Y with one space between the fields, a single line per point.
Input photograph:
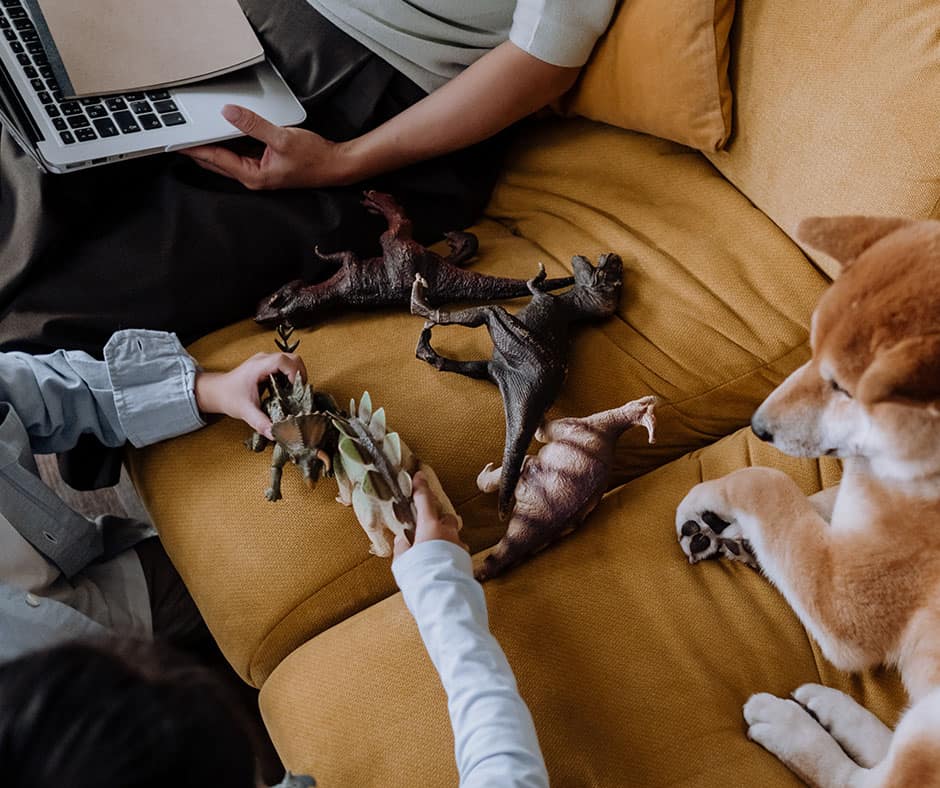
x=387 y=280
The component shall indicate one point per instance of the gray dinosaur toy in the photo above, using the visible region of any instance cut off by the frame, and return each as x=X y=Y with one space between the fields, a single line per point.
x=303 y=431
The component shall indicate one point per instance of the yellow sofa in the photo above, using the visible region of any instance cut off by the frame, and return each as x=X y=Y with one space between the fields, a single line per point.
x=634 y=664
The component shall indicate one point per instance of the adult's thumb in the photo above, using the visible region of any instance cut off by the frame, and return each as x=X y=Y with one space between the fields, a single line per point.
x=254 y=125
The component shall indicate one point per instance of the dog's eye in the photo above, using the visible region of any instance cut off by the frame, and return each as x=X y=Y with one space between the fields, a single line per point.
x=837 y=387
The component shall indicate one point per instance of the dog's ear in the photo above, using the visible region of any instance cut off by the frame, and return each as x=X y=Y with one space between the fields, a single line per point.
x=844 y=238
x=906 y=373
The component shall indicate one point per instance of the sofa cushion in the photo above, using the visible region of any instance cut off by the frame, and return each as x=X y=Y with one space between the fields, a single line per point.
x=635 y=665
x=714 y=314
x=662 y=68
x=836 y=109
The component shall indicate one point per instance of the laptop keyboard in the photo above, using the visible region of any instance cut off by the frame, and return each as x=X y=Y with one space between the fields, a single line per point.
x=86 y=119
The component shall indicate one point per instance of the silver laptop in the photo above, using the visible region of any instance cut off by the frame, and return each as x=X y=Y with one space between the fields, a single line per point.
x=63 y=135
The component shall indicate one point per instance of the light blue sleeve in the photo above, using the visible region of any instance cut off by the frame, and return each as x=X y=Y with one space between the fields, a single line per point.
x=495 y=742
x=142 y=392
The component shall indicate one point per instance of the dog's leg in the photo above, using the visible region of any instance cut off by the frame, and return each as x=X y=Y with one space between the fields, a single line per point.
x=764 y=513
x=760 y=514
x=914 y=757
x=784 y=728
x=862 y=735
x=825 y=501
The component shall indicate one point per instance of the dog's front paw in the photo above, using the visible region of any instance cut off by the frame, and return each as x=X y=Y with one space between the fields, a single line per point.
x=781 y=726
x=707 y=528
x=786 y=729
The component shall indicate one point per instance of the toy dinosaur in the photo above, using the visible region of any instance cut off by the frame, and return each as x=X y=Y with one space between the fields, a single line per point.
x=301 y=423
x=386 y=280
x=530 y=349
x=374 y=470
x=560 y=486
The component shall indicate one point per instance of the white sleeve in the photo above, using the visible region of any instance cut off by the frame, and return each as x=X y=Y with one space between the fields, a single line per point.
x=494 y=736
x=560 y=32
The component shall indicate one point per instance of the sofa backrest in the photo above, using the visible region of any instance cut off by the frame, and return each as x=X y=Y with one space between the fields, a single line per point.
x=837 y=109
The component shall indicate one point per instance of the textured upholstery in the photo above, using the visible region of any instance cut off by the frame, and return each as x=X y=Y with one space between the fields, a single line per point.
x=662 y=68
x=635 y=665
x=836 y=109
x=714 y=314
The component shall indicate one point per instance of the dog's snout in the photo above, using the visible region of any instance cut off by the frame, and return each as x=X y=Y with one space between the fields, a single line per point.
x=761 y=431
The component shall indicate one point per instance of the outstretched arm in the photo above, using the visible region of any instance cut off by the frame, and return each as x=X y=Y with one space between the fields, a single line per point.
x=146 y=389
x=142 y=391
x=503 y=86
x=494 y=737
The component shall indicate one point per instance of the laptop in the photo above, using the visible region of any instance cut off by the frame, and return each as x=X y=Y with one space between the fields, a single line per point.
x=63 y=135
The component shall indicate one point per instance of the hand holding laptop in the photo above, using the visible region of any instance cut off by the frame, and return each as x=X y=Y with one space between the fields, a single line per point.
x=293 y=158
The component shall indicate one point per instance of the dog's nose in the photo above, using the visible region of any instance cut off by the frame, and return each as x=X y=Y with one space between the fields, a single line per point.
x=761 y=431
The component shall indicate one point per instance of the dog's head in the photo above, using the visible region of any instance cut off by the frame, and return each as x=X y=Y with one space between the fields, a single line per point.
x=872 y=387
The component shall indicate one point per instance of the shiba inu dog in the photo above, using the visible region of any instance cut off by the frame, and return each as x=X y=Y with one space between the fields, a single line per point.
x=860 y=563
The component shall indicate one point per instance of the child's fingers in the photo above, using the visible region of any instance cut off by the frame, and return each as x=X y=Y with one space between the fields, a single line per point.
x=258 y=421
x=265 y=364
x=426 y=504
x=291 y=364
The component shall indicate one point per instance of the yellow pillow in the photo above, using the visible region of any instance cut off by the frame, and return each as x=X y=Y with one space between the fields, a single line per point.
x=662 y=68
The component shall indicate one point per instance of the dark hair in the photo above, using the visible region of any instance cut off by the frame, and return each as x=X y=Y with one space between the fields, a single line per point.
x=126 y=714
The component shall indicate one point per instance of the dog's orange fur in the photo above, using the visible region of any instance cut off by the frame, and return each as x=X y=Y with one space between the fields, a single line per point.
x=867 y=583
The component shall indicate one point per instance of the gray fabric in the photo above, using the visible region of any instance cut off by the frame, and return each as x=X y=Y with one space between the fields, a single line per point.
x=143 y=388
x=29 y=623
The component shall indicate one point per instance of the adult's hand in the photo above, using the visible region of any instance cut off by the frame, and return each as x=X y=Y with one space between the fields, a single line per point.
x=293 y=158
x=503 y=86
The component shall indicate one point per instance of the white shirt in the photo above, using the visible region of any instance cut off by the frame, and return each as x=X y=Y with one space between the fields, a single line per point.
x=432 y=41
x=494 y=736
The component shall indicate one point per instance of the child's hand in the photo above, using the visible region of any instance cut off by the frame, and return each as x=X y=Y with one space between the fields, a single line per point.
x=235 y=393
x=431 y=524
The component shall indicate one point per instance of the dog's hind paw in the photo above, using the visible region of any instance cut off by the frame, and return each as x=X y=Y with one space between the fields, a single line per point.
x=703 y=533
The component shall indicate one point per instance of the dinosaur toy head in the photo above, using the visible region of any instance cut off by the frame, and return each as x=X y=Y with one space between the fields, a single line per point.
x=596 y=290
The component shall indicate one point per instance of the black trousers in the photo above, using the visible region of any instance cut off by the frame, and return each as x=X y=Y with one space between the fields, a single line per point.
x=178 y=623
x=160 y=243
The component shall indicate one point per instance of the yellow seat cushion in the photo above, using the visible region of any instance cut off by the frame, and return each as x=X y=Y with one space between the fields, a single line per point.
x=634 y=664
x=714 y=314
